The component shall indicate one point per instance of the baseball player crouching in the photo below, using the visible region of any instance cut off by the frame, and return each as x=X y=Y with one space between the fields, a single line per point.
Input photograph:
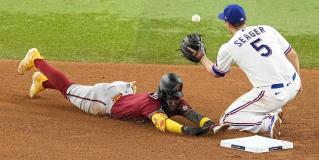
x=267 y=59
x=119 y=99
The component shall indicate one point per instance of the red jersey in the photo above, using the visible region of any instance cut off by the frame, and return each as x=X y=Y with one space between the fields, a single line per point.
x=135 y=106
x=140 y=106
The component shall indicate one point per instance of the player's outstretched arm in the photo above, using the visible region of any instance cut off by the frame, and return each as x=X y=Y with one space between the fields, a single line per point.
x=203 y=121
x=163 y=123
x=208 y=64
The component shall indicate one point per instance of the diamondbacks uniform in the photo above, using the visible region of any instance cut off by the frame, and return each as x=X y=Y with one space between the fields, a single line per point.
x=98 y=99
x=260 y=51
x=140 y=106
x=118 y=100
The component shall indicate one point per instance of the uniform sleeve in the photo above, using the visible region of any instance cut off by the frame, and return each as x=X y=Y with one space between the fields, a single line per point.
x=183 y=108
x=223 y=62
x=286 y=47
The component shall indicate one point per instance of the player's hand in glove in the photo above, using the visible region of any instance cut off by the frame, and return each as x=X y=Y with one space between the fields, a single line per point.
x=194 y=131
x=192 y=47
x=216 y=128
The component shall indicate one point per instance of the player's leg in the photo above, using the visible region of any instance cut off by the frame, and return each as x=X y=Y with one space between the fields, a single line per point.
x=286 y=94
x=98 y=99
x=49 y=76
x=253 y=111
x=82 y=97
x=89 y=99
x=292 y=88
x=56 y=79
x=250 y=121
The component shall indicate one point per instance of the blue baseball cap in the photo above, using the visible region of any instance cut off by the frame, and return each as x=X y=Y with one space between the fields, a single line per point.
x=233 y=13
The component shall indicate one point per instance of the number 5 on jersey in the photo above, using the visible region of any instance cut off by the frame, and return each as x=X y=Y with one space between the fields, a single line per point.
x=254 y=44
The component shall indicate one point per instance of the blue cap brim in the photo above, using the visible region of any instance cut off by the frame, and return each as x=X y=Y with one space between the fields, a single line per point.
x=221 y=16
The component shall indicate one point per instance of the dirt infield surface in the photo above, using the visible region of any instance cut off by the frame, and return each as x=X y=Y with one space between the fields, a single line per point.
x=49 y=127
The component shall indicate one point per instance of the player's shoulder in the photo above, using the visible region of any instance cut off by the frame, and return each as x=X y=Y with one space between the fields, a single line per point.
x=145 y=95
x=153 y=95
x=261 y=25
x=153 y=98
x=267 y=27
x=225 y=48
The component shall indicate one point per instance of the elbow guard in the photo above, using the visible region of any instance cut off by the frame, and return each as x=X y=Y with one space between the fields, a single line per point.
x=163 y=123
x=159 y=120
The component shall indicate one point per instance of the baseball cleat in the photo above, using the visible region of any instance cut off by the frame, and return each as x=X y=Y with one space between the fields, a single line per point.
x=28 y=61
x=275 y=126
x=221 y=128
x=37 y=79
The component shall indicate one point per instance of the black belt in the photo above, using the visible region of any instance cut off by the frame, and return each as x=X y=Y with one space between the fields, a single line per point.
x=280 y=85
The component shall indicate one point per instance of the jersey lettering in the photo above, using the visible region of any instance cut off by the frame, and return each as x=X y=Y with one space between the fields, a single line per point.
x=253 y=49
x=154 y=95
x=260 y=47
x=238 y=43
x=117 y=97
x=262 y=30
x=247 y=37
x=252 y=34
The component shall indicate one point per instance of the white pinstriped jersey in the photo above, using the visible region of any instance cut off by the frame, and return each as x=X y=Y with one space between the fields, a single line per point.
x=260 y=51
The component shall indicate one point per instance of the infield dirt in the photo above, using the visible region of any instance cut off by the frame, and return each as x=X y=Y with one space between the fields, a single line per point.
x=49 y=127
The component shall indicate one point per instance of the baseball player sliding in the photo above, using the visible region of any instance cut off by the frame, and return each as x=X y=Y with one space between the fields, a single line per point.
x=268 y=60
x=119 y=99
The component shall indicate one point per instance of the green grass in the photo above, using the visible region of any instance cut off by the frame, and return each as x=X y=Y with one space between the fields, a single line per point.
x=143 y=31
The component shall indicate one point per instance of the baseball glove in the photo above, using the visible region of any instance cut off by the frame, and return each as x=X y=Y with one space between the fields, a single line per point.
x=192 y=47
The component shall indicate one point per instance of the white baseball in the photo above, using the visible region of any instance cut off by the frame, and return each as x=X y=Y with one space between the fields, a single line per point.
x=196 y=18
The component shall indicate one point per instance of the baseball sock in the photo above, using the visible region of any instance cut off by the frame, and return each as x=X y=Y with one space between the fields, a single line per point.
x=56 y=79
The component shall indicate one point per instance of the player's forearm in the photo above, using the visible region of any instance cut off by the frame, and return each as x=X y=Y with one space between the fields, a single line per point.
x=208 y=64
x=293 y=59
x=172 y=126
x=199 y=119
x=194 y=117
x=175 y=127
x=163 y=123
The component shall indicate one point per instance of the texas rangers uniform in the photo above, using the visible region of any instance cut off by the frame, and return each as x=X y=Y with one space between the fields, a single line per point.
x=260 y=51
